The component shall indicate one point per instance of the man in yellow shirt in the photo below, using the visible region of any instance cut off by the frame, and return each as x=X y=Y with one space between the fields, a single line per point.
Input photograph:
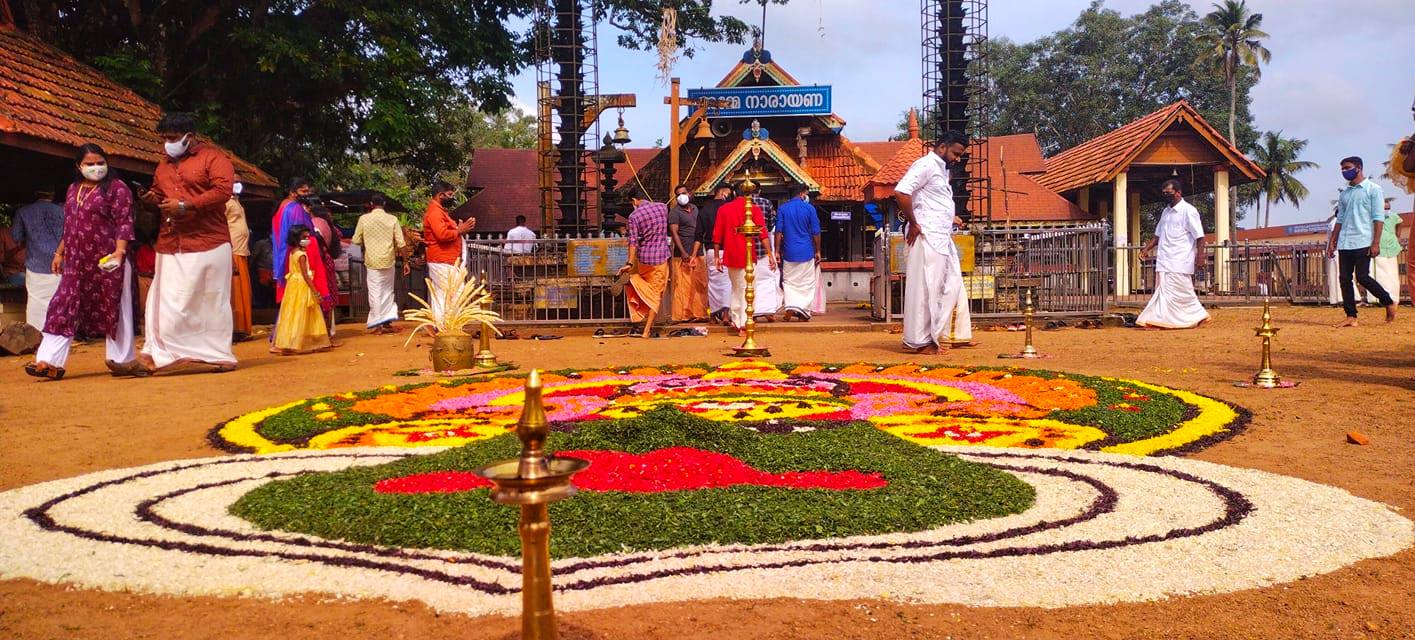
x=381 y=237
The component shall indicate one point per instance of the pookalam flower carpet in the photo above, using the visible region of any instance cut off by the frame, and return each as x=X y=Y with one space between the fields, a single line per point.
x=996 y=407
x=985 y=487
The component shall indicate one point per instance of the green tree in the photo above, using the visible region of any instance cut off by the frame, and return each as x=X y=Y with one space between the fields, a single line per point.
x=312 y=86
x=1104 y=71
x=1278 y=156
x=1232 y=42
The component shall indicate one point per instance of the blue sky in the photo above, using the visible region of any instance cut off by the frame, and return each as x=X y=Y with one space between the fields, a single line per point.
x=1341 y=74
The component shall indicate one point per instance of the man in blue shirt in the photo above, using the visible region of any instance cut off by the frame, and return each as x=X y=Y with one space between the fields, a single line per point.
x=1360 y=217
x=39 y=226
x=798 y=246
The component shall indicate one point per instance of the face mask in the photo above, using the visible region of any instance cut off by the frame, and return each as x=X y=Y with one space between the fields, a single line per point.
x=448 y=202
x=179 y=148
x=1173 y=198
x=1350 y=174
x=309 y=200
x=94 y=172
x=683 y=199
x=805 y=197
x=304 y=242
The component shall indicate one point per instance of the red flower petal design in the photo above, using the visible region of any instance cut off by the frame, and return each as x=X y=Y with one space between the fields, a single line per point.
x=672 y=469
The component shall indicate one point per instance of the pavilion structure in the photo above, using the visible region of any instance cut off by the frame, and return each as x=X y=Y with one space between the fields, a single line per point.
x=1111 y=176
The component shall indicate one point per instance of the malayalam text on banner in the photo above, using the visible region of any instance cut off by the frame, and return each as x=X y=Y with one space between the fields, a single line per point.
x=596 y=256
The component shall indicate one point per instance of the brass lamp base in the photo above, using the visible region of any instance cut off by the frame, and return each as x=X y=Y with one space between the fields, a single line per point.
x=751 y=352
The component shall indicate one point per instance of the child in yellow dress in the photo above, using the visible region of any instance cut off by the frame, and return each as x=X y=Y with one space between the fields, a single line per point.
x=301 y=327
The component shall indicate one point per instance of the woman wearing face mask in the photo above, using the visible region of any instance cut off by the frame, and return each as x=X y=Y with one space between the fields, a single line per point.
x=95 y=294
x=301 y=327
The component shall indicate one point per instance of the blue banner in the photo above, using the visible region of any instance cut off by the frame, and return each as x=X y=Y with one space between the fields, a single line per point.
x=1304 y=229
x=756 y=102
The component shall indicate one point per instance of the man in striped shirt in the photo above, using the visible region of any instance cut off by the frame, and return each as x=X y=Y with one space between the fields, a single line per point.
x=649 y=252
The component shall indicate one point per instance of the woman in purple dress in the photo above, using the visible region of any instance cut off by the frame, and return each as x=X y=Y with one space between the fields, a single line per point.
x=95 y=294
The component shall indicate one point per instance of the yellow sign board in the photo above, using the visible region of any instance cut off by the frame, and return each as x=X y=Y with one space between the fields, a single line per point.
x=967 y=253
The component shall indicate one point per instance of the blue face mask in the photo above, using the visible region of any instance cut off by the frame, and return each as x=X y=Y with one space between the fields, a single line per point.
x=1350 y=174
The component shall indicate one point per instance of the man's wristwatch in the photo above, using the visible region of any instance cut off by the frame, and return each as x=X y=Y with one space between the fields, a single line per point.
x=182 y=207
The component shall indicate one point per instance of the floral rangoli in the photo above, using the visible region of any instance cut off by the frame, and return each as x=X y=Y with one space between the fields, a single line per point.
x=995 y=407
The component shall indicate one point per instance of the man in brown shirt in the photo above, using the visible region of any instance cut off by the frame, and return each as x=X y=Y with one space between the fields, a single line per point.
x=188 y=319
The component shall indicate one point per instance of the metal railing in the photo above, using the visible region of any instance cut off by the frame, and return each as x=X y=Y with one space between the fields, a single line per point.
x=1067 y=268
x=1248 y=272
x=560 y=280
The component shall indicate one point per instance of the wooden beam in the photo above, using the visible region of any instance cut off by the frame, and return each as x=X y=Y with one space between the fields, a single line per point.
x=607 y=101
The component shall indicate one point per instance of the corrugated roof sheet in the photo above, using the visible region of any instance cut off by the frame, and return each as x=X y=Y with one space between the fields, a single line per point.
x=46 y=95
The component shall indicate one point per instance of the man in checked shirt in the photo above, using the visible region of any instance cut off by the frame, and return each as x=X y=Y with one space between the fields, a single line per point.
x=649 y=252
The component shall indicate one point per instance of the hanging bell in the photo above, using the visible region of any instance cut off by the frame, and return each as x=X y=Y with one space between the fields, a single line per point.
x=704 y=131
x=621 y=135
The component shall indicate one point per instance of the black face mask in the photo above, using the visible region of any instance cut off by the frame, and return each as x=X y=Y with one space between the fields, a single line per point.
x=449 y=202
x=309 y=200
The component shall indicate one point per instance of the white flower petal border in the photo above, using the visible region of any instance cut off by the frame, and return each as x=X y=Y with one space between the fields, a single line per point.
x=1105 y=528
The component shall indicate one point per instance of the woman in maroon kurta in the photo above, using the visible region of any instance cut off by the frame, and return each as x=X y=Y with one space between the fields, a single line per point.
x=98 y=224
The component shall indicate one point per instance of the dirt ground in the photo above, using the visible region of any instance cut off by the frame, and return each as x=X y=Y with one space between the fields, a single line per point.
x=1352 y=379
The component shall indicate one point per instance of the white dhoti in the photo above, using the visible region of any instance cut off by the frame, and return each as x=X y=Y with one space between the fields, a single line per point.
x=1174 y=304
x=719 y=285
x=933 y=287
x=1386 y=270
x=39 y=289
x=960 y=329
x=382 y=306
x=801 y=288
x=442 y=275
x=767 y=285
x=738 y=297
x=189 y=309
x=54 y=350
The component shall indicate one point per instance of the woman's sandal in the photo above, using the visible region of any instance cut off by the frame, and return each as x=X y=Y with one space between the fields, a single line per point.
x=44 y=370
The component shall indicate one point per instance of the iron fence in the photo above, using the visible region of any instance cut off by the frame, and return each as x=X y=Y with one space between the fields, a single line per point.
x=1072 y=270
x=1247 y=272
x=1067 y=268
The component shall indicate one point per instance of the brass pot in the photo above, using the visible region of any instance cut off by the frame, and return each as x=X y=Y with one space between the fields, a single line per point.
x=453 y=353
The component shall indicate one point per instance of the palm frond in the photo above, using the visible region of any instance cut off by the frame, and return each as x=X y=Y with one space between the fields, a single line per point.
x=464 y=301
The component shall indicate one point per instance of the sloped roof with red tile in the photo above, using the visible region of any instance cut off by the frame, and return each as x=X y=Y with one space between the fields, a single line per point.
x=882 y=151
x=1101 y=158
x=893 y=169
x=1020 y=152
x=507 y=184
x=840 y=167
x=1020 y=198
x=52 y=103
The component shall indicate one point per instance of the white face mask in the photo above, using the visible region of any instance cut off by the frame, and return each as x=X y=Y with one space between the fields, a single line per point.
x=94 y=172
x=805 y=197
x=179 y=148
x=304 y=242
x=683 y=199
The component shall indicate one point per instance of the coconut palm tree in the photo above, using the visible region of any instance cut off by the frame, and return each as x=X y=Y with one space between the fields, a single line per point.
x=1232 y=35
x=1278 y=156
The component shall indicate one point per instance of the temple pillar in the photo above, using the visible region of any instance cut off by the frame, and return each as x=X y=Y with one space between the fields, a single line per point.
x=1222 y=216
x=1120 y=227
x=1083 y=199
x=1137 y=275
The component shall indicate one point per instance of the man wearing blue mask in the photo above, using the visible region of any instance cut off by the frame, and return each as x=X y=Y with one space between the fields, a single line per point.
x=1360 y=218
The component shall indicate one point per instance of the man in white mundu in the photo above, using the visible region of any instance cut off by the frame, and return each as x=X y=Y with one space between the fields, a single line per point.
x=1179 y=237
x=188 y=319
x=935 y=305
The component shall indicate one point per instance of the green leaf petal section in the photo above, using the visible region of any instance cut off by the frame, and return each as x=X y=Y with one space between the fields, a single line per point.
x=927 y=489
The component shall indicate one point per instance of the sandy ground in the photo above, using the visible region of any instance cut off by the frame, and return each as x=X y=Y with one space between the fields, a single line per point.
x=1351 y=379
